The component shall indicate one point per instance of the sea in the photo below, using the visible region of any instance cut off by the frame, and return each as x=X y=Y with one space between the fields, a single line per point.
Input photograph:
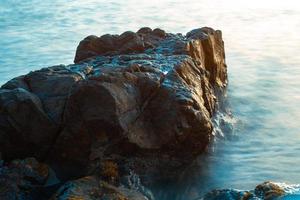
x=257 y=137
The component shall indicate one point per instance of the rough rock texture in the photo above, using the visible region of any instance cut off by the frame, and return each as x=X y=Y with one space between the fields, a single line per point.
x=91 y=188
x=22 y=179
x=29 y=179
x=264 y=191
x=144 y=100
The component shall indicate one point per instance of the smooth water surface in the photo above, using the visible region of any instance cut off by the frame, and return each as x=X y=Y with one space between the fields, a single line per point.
x=262 y=39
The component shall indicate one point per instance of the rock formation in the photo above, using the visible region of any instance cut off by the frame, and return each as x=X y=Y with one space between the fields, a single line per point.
x=143 y=100
x=264 y=191
x=29 y=179
x=20 y=177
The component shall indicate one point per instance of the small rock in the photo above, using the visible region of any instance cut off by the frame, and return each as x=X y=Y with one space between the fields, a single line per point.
x=228 y=194
x=90 y=188
x=268 y=190
x=265 y=191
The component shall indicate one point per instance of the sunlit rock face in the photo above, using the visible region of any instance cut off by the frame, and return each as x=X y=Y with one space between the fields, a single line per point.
x=203 y=44
x=144 y=100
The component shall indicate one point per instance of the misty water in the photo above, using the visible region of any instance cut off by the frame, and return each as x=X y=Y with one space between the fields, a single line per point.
x=259 y=141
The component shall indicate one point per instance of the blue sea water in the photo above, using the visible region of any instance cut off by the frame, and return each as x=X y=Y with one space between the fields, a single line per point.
x=262 y=137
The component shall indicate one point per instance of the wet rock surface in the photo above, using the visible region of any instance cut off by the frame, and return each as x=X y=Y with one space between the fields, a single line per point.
x=264 y=191
x=141 y=100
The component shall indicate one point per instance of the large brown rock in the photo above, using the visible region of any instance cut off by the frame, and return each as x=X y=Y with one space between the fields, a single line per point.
x=144 y=100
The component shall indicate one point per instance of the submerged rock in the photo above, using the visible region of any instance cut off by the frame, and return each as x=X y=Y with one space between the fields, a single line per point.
x=143 y=100
x=229 y=194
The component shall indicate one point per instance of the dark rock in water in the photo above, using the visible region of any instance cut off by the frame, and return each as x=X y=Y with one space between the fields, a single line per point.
x=265 y=191
x=269 y=190
x=143 y=100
